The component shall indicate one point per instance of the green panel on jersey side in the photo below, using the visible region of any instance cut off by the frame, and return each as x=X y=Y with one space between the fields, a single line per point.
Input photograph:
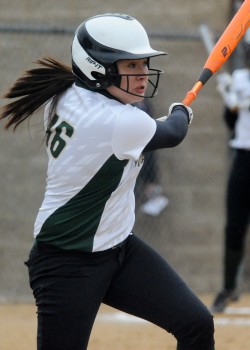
x=73 y=225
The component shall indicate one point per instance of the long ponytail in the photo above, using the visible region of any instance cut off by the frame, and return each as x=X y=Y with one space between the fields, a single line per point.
x=34 y=89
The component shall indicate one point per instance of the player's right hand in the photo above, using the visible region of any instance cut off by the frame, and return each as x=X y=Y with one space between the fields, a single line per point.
x=187 y=108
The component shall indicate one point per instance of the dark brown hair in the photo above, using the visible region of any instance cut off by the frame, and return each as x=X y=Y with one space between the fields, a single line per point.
x=34 y=89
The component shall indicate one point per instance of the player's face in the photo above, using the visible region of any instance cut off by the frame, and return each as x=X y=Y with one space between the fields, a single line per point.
x=135 y=86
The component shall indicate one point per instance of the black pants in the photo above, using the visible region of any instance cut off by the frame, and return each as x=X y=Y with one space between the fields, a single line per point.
x=70 y=286
x=237 y=216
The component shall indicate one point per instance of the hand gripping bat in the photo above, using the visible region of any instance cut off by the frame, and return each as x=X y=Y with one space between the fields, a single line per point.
x=223 y=49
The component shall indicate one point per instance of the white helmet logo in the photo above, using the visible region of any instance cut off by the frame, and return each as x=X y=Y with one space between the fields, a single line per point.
x=91 y=61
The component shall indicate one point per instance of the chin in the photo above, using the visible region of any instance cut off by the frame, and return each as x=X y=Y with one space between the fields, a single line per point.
x=136 y=98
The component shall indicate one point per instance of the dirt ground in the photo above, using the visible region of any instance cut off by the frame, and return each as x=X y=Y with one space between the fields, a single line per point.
x=118 y=331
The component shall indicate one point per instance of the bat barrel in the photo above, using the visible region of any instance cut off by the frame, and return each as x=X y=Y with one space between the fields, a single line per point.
x=223 y=48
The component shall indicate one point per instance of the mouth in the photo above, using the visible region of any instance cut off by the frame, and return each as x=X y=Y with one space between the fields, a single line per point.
x=140 y=90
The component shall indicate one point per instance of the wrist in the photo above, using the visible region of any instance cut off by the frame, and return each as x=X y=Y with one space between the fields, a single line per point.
x=187 y=110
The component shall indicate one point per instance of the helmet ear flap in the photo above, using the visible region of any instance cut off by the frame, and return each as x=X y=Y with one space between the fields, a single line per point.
x=110 y=78
x=113 y=75
x=100 y=80
x=115 y=80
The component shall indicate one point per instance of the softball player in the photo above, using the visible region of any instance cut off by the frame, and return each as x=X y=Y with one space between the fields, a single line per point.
x=84 y=252
x=235 y=91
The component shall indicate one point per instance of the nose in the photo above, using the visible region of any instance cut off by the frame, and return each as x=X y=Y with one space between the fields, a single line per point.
x=142 y=70
x=141 y=77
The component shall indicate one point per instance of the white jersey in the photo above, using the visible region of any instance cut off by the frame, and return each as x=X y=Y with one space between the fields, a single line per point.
x=94 y=147
x=241 y=90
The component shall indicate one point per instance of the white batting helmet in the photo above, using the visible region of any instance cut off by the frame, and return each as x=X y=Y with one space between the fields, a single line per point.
x=100 y=41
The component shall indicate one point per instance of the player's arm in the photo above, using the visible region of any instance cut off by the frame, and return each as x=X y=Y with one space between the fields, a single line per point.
x=171 y=130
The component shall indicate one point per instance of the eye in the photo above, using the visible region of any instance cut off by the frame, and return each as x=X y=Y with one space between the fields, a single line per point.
x=138 y=64
x=132 y=65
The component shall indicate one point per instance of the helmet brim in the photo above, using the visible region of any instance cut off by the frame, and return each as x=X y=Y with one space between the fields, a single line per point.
x=107 y=56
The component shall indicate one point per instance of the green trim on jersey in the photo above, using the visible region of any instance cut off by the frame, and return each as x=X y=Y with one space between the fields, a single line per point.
x=74 y=224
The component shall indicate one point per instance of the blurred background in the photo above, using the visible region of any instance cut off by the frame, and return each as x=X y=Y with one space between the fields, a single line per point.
x=188 y=229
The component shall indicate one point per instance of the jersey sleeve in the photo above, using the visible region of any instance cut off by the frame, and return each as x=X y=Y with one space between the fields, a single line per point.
x=132 y=132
